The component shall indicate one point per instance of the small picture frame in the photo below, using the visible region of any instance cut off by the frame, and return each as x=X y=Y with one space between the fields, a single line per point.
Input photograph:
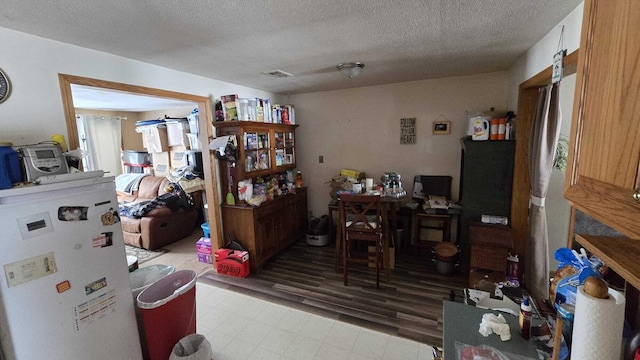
x=441 y=127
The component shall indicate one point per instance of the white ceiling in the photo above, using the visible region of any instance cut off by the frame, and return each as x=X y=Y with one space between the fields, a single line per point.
x=235 y=41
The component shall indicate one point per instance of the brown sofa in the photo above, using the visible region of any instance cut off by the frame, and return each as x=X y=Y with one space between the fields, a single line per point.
x=160 y=226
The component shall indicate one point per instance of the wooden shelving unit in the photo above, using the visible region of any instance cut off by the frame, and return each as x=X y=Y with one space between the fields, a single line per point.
x=621 y=254
x=264 y=149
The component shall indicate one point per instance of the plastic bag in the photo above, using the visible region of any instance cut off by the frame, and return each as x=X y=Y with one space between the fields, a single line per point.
x=573 y=269
x=192 y=347
x=485 y=352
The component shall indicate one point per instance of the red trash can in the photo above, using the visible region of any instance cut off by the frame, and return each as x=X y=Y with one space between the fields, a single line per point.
x=168 y=309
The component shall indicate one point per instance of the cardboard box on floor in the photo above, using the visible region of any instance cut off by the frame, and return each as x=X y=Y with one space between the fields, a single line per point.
x=232 y=262
x=204 y=250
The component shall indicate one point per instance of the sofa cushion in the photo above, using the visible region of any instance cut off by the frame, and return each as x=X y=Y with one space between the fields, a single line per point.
x=130 y=225
x=151 y=186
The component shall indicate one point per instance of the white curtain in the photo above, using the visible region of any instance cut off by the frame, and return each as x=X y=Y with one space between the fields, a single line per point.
x=101 y=142
x=542 y=148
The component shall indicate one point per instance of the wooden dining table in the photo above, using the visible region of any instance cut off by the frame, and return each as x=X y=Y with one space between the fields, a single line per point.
x=389 y=224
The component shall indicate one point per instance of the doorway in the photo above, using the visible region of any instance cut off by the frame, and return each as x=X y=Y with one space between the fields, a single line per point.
x=527 y=98
x=205 y=121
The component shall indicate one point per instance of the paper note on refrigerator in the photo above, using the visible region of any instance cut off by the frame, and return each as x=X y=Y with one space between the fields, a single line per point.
x=26 y=270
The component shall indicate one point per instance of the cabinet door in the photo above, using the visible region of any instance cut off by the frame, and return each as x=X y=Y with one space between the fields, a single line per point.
x=487 y=177
x=268 y=233
x=257 y=151
x=285 y=154
x=288 y=222
x=603 y=168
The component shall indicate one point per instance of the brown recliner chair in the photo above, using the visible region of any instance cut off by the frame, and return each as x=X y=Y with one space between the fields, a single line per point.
x=160 y=226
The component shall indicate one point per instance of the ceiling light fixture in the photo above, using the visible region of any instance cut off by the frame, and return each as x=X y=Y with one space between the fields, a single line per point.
x=351 y=69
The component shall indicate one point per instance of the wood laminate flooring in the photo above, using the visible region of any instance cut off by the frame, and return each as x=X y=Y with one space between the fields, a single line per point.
x=304 y=277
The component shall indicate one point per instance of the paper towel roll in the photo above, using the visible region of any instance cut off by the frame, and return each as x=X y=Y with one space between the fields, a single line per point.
x=597 y=328
x=368 y=184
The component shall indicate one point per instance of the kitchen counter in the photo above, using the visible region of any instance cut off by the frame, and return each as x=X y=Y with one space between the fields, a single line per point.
x=461 y=324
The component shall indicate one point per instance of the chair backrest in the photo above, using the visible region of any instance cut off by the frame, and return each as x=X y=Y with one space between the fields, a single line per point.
x=361 y=213
x=425 y=185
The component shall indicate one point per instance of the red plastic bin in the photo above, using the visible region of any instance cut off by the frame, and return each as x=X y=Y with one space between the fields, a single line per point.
x=168 y=309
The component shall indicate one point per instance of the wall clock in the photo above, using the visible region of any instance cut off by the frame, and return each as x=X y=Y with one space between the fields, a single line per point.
x=5 y=86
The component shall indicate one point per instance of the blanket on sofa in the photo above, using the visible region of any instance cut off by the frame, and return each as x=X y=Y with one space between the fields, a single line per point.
x=174 y=200
x=128 y=183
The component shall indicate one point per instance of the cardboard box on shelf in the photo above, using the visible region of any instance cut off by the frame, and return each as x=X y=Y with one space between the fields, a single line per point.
x=230 y=107
x=433 y=232
x=178 y=157
x=161 y=163
x=177 y=133
x=154 y=138
x=232 y=262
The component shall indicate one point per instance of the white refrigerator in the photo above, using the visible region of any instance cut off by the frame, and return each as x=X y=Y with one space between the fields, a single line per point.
x=65 y=290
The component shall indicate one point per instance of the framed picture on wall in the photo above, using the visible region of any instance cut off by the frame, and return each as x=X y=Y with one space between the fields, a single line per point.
x=441 y=127
x=408 y=131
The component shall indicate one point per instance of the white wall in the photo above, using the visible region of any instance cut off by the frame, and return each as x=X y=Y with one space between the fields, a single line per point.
x=360 y=129
x=34 y=111
x=540 y=56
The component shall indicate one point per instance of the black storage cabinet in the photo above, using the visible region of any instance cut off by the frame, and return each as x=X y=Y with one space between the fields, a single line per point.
x=486 y=179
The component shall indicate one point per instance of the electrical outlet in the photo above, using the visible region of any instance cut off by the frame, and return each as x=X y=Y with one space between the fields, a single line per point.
x=321 y=159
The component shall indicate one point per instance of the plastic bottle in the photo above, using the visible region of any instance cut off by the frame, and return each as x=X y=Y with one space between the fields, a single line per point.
x=502 y=129
x=525 y=318
x=299 y=180
x=493 y=132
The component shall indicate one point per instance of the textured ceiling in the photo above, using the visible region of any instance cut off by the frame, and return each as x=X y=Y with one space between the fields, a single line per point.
x=235 y=41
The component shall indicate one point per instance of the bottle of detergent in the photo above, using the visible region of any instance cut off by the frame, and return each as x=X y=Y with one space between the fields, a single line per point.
x=479 y=127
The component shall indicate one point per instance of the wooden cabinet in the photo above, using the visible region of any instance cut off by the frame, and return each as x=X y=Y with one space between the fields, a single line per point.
x=263 y=149
x=603 y=171
x=603 y=174
x=269 y=228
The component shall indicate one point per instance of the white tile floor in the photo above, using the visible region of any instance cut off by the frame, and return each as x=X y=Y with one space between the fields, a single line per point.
x=242 y=327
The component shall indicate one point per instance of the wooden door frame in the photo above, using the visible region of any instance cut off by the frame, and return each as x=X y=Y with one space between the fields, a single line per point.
x=527 y=99
x=204 y=109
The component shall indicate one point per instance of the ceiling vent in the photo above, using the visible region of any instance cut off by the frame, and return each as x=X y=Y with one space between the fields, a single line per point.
x=277 y=73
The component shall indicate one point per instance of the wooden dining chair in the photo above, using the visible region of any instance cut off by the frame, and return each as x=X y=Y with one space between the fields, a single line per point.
x=361 y=225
